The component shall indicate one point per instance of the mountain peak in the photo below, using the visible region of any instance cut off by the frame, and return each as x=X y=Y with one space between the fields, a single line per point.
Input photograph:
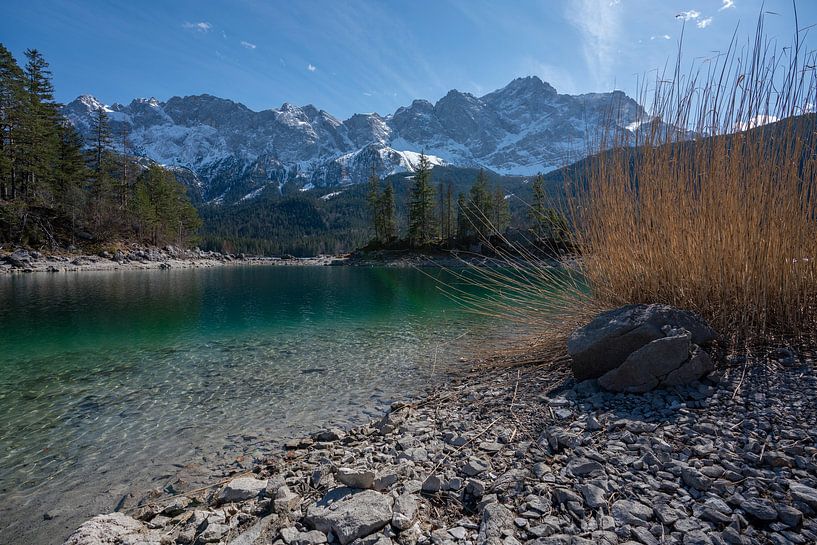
x=522 y=128
x=532 y=84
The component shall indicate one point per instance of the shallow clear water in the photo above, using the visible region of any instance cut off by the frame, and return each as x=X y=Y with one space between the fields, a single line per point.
x=108 y=379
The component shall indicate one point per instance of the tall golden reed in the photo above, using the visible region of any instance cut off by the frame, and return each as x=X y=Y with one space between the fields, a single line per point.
x=710 y=204
x=725 y=222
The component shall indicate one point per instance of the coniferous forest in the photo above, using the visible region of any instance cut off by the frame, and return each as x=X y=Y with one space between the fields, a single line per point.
x=57 y=191
x=60 y=192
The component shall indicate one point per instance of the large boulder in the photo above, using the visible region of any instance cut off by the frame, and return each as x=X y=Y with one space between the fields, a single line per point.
x=607 y=341
x=669 y=361
x=350 y=514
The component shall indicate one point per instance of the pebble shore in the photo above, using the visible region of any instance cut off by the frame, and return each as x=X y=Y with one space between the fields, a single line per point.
x=140 y=258
x=519 y=454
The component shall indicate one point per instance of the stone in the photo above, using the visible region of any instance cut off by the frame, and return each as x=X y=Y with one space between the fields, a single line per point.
x=350 y=514
x=327 y=435
x=312 y=537
x=384 y=480
x=405 y=512
x=285 y=500
x=695 y=479
x=699 y=365
x=789 y=516
x=112 y=528
x=495 y=519
x=289 y=534
x=697 y=537
x=644 y=369
x=760 y=509
x=804 y=494
x=432 y=484
x=241 y=489
x=213 y=532
x=580 y=467
x=355 y=478
x=629 y=512
x=593 y=496
x=604 y=343
x=475 y=466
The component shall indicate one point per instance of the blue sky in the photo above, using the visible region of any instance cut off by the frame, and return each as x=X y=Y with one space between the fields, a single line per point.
x=363 y=56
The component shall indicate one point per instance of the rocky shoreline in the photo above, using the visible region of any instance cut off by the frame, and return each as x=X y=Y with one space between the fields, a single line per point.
x=521 y=454
x=136 y=257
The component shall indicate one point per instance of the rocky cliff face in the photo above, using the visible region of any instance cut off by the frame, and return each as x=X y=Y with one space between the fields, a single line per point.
x=233 y=152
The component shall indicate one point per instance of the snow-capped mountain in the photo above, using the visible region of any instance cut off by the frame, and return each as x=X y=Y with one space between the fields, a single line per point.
x=235 y=153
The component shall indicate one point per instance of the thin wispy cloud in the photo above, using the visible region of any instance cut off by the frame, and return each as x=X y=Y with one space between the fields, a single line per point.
x=248 y=45
x=661 y=37
x=727 y=4
x=688 y=15
x=311 y=67
x=599 y=23
x=201 y=26
x=703 y=23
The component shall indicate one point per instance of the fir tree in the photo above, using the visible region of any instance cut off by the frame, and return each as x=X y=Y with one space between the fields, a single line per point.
x=12 y=112
x=422 y=225
x=501 y=213
x=389 y=221
x=464 y=228
x=41 y=137
x=538 y=207
x=374 y=201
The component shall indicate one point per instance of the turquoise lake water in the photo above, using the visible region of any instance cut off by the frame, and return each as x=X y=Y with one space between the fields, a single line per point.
x=109 y=379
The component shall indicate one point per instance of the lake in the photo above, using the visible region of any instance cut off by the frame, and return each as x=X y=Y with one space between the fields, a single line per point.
x=112 y=381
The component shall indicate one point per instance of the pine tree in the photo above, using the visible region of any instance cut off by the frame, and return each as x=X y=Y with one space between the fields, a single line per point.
x=375 y=208
x=41 y=140
x=422 y=225
x=389 y=222
x=538 y=207
x=71 y=176
x=101 y=180
x=124 y=182
x=449 y=212
x=463 y=222
x=480 y=200
x=501 y=213
x=161 y=208
x=12 y=104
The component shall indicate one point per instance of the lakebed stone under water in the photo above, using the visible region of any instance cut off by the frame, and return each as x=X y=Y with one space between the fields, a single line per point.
x=111 y=380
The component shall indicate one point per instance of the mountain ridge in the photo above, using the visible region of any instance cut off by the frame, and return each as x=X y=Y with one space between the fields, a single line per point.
x=234 y=152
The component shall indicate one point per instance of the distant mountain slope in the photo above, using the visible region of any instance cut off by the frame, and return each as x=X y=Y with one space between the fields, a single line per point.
x=232 y=152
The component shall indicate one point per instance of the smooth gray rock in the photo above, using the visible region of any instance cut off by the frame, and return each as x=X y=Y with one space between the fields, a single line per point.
x=644 y=369
x=350 y=514
x=241 y=489
x=604 y=343
x=631 y=512
x=698 y=366
x=356 y=478
x=113 y=528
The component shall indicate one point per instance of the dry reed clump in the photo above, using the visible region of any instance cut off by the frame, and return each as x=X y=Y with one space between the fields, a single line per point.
x=709 y=205
x=723 y=223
